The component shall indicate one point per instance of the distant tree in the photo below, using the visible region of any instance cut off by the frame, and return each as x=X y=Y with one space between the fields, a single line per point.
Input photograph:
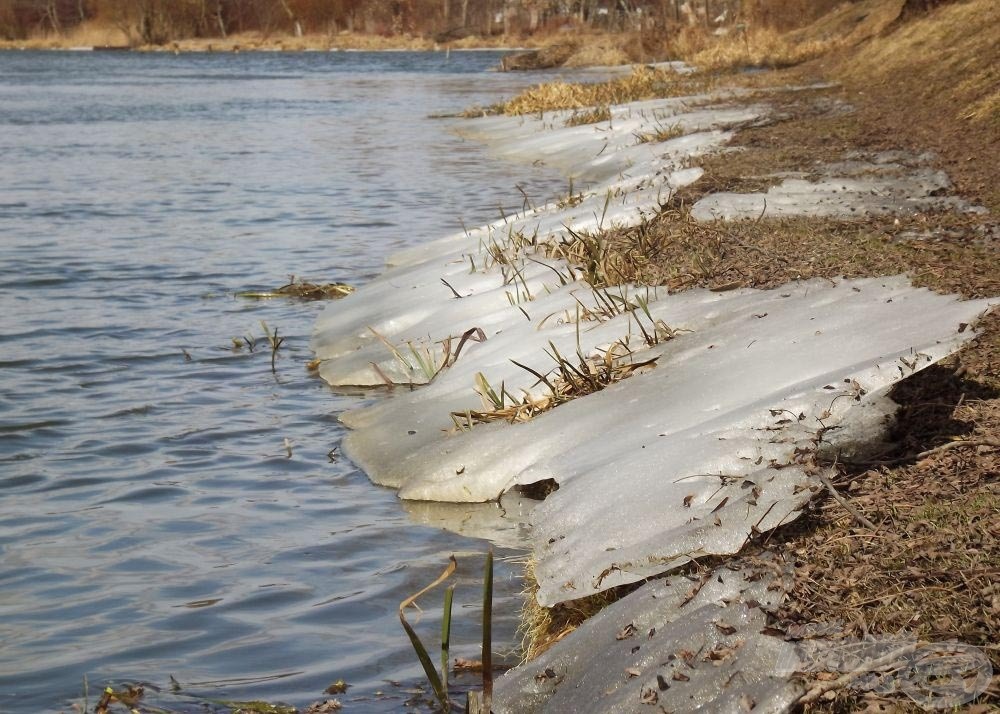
x=292 y=17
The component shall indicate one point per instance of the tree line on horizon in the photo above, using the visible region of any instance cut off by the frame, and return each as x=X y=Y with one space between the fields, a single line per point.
x=163 y=21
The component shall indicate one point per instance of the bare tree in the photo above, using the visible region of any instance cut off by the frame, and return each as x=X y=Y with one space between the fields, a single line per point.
x=293 y=18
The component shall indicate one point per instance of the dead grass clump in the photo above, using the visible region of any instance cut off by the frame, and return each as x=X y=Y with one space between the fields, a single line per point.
x=663 y=132
x=588 y=116
x=599 y=53
x=569 y=379
x=542 y=627
x=643 y=83
x=758 y=48
x=302 y=290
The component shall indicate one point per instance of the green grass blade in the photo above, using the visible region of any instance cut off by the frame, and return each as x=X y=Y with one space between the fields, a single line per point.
x=449 y=596
x=425 y=659
x=488 y=632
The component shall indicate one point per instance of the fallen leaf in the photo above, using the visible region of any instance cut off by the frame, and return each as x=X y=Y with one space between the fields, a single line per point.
x=626 y=632
x=724 y=627
x=467 y=665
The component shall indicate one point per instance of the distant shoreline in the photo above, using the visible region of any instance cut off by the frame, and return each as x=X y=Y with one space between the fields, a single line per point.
x=160 y=48
x=253 y=42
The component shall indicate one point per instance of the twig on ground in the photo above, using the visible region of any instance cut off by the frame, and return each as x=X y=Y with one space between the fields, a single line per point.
x=843 y=502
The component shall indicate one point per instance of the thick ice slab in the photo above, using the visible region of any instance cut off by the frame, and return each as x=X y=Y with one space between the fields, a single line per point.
x=398 y=328
x=715 y=439
x=680 y=644
x=601 y=152
x=685 y=459
x=682 y=461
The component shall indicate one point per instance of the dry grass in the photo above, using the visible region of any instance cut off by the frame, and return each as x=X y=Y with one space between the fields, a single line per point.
x=953 y=53
x=786 y=14
x=571 y=378
x=680 y=253
x=762 y=47
x=643 y=83
x=542 y=627
x=600 y=52
x=588 y=116
x=662 y=132
x=852 y=23
x=88 y=34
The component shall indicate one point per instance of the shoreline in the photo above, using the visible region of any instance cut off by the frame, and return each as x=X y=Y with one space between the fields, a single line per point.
x=109 y=40
x=829 y=243
x=238 y=49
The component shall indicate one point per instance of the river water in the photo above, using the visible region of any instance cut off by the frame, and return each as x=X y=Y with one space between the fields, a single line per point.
x=152 y=521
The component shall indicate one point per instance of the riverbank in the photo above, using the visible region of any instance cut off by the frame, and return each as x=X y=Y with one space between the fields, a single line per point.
x=835 y=179
x=600 y=47
x=110 y=39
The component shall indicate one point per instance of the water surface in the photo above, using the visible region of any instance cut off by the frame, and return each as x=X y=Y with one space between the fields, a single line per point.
x=152 y=523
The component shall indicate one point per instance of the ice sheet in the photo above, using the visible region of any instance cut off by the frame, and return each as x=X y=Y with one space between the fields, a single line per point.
x=847 y=189
x=686 y=459
x=716 y=438
x=603 y=151
x=679 y=644
x=397 y=328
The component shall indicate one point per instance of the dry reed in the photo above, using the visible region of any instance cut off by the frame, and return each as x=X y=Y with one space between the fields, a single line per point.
x=643 y=83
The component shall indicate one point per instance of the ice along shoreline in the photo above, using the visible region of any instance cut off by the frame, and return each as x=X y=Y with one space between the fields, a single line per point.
x=673 y=425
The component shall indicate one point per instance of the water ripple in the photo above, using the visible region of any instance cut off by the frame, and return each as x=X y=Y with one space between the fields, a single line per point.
x=153 y=522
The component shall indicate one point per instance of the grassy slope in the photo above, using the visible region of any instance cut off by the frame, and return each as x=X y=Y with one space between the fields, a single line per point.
x=935 y=83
